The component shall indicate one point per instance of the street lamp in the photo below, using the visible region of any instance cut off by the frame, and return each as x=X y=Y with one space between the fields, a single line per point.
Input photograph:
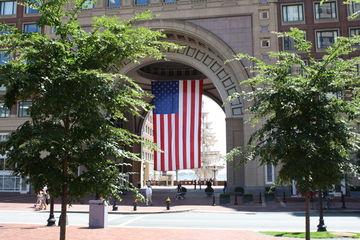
x=51 y=221
x=321 y=227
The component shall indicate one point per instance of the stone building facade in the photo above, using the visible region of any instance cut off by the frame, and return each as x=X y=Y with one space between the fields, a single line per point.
x=212 y=32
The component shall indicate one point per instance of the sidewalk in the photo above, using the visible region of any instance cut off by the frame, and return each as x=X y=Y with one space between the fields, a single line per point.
x=195 y=200
x=35 y=232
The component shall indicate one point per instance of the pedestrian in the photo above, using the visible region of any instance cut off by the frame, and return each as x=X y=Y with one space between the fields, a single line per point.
x=38 y=199
x=195 y=184
x=40 y=202
x=225 y=187
x=148 y=194
x=47 y=197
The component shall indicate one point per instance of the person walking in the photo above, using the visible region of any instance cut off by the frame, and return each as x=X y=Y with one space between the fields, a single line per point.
x=40 y=201
x=148 y=194
x=225 y=187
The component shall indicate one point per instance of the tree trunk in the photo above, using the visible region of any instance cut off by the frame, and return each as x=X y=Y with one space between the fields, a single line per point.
x=63 y=217
x=65 y=186
x=307 y=216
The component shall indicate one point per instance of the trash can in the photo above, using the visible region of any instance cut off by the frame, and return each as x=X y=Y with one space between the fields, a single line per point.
x=98 y=214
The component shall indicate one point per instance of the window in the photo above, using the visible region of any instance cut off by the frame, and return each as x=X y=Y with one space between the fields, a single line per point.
x=354 y=32
x=4 y=137
x=293 y=13
x=264 y=14
x=326 y=10
x=169 y=1
x=4 y=57
x=265 y=43
x=141 y=2
x=325 y=39
x=29 y=10
x=288 y=44
x=31 y=28
x=88 y=4
x=8 y=8
x=354 y=7
x=114 y=3
x=269 y=173
x=2 y=163
x=24 y=109
x=4 y=111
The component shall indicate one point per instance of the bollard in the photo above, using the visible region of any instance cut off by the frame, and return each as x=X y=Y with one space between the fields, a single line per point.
x=236 y=200
x=114 y=207
x=343 y=200
x=168 y=201
x=260 y=198
x=213 y=200
x=135 y=205
x=284 y=200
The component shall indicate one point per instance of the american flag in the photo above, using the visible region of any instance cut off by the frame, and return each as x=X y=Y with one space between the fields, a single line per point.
x=177 y=124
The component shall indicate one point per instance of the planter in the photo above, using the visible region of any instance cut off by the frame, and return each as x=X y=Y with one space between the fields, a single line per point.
x=247 y=198
x=224 y=199
x=269 y=197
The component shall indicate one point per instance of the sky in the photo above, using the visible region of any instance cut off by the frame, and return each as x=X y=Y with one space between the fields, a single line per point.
x=217 y=117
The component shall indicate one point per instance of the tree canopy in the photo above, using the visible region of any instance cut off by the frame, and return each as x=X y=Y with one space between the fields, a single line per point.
x=309 y=107
x=77 y=98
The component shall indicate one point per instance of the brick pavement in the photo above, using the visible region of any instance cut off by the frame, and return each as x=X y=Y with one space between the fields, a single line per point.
x=36 y=232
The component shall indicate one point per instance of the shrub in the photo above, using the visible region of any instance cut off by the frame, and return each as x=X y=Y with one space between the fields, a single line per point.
x=239 y=190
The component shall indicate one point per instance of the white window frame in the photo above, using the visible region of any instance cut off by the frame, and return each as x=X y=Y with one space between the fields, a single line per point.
x=30 y=23
x=296 y=21
x=272 y=172
x=18 y=108
x=265 y=41
x=324 y=30
x=113 y=6
x=317 y=6
x=261 y=12
x=357 y=29
x=2 y=8
x=7 y=113
x=351 y=7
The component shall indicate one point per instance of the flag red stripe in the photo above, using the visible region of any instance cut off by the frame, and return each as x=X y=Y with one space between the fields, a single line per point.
x=162 y=142
x=177 y=140
x=199 y=129
x=184 y=122
x=192 y=124
x=170 y=141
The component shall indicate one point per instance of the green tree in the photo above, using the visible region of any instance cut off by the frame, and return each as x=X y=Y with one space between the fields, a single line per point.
x=306 y=108
x=76 y=99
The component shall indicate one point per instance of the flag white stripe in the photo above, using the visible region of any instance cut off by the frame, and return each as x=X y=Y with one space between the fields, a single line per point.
x=181 y=113
x=188 y=124
x=158 y=141
x=196 y=127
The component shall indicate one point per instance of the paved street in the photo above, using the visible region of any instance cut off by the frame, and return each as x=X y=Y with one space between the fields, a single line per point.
x=199 y=220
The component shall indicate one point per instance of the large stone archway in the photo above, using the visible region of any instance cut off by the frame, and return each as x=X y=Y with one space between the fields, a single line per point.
x=207 y=53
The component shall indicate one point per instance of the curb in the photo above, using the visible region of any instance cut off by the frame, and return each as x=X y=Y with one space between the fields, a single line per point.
x=132 y=212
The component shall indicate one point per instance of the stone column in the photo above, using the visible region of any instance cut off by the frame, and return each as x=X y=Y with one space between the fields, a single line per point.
x=235 y=138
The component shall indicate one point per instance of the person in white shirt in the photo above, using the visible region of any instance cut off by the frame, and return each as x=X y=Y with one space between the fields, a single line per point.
x=148 y=194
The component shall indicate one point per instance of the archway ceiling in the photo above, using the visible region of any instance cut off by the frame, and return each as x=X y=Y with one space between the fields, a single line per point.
x=159 y=71
x=221 y=80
